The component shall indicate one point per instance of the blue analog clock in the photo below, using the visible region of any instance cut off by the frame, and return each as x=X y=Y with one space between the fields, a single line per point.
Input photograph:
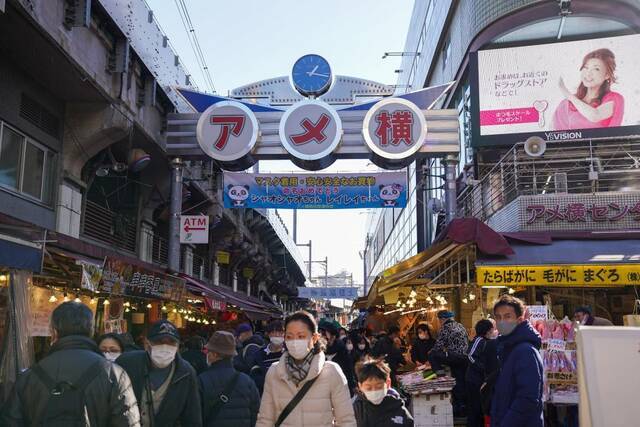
x=311 y=75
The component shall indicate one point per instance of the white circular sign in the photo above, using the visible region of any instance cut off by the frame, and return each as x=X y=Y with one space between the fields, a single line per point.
x=227 y=131
x=310 y=130
x=394 y=128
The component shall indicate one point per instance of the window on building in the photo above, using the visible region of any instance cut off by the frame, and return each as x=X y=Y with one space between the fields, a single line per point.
x=446 y=53
x=26 y=166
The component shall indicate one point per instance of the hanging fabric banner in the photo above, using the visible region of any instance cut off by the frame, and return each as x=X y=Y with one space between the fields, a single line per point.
x=316 y=191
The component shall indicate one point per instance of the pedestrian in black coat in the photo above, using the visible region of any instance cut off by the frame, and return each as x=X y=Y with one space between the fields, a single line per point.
x=194 y=355
x=337 y=352
x=165 y=385
x=108 y=397
x=483 y=360
x=241 y=401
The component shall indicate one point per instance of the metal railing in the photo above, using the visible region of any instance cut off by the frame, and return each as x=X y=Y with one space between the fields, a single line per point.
x=564 y=168
x=109 y=227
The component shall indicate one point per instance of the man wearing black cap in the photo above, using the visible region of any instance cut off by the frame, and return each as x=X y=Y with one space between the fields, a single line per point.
x=229 y=398
x=165 y=384
x=451 y=349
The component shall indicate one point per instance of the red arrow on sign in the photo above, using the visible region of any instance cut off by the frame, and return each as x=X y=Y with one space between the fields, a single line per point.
x=187 y=228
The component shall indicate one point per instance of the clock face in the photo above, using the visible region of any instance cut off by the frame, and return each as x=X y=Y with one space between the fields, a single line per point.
x=311 y=75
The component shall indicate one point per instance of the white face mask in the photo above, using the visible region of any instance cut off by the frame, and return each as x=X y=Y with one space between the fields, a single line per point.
x=277 y=341
x=163 y=354
x=377 y=396
x=349 y=347
x=298 y=349
x=111 y=355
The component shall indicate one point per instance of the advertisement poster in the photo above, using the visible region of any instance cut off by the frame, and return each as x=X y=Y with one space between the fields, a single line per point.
x=561 y=91
x=315 y=191
x=121 y=278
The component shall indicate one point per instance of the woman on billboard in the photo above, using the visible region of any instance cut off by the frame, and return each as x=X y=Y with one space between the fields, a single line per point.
x=594 y=105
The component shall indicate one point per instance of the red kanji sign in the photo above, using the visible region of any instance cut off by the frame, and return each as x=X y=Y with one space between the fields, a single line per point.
x=398 y=124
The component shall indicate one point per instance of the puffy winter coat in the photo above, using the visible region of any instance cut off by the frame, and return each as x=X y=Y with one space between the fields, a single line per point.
x=109 y=397
x=244 y=401
x=517 y=398
x=181 y=404
x=391 y=412
x=327 y=399
x=452 y=338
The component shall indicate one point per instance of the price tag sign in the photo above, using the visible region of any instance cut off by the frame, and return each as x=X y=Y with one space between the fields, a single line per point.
x=537 y=312
x=556 y=345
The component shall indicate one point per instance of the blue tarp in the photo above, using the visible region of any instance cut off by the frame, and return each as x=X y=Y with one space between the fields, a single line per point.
x=21 y=257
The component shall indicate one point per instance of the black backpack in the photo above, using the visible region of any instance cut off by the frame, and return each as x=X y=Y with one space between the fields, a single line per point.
x=65 y=405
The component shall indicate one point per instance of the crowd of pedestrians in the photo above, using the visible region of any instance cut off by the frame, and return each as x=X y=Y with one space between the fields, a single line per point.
x=295 y=373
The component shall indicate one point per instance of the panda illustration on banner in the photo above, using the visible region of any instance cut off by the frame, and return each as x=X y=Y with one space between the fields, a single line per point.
x=390 y=194
x=239 y=194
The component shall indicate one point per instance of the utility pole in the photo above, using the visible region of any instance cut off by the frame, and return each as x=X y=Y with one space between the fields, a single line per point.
x=305 y=244
x=177 y=167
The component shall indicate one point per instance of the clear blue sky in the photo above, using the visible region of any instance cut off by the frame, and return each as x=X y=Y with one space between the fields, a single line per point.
x=249 y=40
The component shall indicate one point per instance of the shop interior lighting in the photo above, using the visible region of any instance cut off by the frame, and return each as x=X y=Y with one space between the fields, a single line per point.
x=472 y=296
x=205 y=321
x=511 y=291
x=164 y=308
x=77 y=299
x=106 y=302
x=413 y=294
x=126 y=310
x=92 y=301
x=53 y=298
x=127 y=304
x=66 y=298
x=465 y=300
x=149 y=305
x=3 y=278
x=175 y=310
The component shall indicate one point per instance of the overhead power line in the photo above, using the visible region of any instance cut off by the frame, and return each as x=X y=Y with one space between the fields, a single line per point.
x=195 y=44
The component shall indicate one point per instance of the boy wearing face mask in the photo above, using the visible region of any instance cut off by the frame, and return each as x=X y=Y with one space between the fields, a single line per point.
x=378 y=404
x=269 y=354
x=165 y=385
x=517 y=397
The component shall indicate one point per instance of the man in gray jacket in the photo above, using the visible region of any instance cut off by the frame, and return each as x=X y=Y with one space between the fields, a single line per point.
x=74 y=384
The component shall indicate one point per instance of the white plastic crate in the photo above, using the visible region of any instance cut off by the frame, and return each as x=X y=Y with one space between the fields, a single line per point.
x=432 y=410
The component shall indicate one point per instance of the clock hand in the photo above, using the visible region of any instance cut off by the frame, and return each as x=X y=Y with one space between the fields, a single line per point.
x=312 y=72
x=319 y=75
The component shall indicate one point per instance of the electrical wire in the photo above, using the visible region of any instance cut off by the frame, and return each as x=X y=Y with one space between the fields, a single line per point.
x=195 y=43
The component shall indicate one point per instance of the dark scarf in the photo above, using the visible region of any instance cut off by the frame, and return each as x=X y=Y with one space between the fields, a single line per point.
x=298 y=371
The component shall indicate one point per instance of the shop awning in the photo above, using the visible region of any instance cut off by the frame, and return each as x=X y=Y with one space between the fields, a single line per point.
x=454 y=242
x=21 y=255
x=254 y=308
x=211 y=299
x=566 y=262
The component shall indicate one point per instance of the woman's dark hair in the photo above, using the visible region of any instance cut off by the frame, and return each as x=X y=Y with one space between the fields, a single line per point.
x=511 y=301
x=72 y=318
x=483 y=326
x=114 y=337
x=342 y=330
x=373 y=368
x=609 y=60
x=304 y=317
x=424 y=327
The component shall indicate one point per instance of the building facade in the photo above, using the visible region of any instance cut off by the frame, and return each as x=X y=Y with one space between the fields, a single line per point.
x=443 y=44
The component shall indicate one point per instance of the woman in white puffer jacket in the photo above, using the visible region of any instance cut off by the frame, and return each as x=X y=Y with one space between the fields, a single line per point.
x=327 y=402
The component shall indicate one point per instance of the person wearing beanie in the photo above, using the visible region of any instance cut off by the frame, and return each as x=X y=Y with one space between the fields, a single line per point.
x=229 y=398
x=165 y=385
x=269 y=354
x=451 y=349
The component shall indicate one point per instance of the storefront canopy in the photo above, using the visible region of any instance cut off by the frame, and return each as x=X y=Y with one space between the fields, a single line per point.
x=454 y=242
x=254 y=308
